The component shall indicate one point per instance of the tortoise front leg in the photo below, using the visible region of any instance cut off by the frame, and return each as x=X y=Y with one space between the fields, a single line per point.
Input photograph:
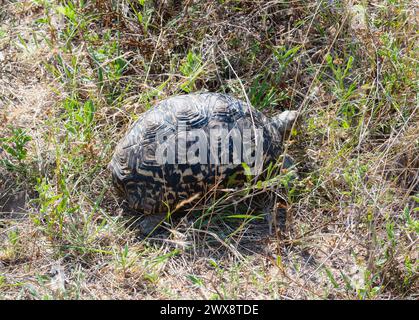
x=150 y=223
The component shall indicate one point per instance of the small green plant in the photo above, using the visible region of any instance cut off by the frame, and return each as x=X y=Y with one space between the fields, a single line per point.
x=53 y=208
x=16 y=147
x=192 y=67
x=369 y=290
x=195 y=280
x=332 y=279
x=262 y=94
x=125 y=260
x=76 y=22
x=110 y=64
x=152 y=266
x=340 y=72
x=13 y=237
x=145 y=14
x=411 y=224
x=264 y=91
x=284 y=57
x=80 y=117
x=344 y=92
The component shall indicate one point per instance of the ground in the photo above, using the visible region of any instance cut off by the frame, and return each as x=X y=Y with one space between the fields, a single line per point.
x=74 y=75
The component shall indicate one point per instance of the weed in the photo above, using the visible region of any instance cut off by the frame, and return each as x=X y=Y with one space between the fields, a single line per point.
x=16 y=147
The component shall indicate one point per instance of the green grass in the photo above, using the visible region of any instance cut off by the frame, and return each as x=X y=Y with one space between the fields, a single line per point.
x=346 y=228
x=14 y=145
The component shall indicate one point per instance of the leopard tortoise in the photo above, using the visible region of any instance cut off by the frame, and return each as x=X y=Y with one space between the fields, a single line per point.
x=149 y=168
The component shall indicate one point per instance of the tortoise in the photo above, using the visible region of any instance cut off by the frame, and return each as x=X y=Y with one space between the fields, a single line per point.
x=149 y=168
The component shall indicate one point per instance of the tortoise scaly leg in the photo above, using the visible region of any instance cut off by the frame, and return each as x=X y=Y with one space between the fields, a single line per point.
x=149 y=223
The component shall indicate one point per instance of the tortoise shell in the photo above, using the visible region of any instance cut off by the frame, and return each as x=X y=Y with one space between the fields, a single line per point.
x=151 y=186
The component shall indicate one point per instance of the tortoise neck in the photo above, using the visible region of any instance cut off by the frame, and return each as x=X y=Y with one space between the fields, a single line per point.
x=275 y=127
x=281 y=124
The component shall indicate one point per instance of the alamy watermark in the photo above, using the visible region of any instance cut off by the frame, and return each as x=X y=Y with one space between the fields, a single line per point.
x=216 y=146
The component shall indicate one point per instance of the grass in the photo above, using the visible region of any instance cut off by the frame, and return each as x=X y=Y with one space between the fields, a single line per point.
x=75 y=75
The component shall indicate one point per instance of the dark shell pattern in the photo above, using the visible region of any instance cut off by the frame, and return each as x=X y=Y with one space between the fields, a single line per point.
x=150 y=187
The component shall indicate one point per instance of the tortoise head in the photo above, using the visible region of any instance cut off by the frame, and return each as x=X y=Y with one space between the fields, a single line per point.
x=281 y=124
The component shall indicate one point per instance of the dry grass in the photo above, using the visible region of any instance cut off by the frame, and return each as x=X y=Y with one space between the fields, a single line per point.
x=75 y=74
